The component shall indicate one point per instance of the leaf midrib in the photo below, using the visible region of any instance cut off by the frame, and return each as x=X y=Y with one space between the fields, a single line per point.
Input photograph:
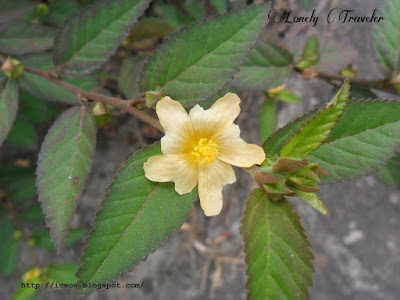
x=67 y=60
x=126 y=230
x=208 y=54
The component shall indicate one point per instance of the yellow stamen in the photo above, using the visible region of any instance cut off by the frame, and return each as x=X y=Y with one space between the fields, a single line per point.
x=205 y=151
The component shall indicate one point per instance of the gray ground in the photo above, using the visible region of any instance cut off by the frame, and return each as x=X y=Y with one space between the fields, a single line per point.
x=357 y=249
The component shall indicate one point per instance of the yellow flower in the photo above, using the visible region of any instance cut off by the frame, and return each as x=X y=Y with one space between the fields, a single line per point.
x=199 y=147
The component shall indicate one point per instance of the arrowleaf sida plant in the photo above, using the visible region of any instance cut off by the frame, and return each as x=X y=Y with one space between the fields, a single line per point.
x=198 y=67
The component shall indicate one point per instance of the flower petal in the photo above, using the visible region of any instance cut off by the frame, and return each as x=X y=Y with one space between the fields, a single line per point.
x=212 y=178
x=176 y=168
x=217 y=118
x=235 y=151
x=176 y=123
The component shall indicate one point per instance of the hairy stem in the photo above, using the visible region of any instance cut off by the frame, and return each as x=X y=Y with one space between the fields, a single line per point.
x=122 y=104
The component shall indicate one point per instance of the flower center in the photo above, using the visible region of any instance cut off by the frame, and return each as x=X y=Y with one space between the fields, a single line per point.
x=205 y=151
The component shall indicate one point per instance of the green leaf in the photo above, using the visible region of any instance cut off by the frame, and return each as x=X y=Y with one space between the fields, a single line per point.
x=64 y=164
x=335 y=54
x=287 y=96
x=275 y=142
x=390 y=173
x=36 y=109
x=42 y=88
x=312 y=199
x=313 y=134
x=220 y=5
x=9 y=254
x=89 y=38
x=195 y=9
x=267 y=67
x=203 y=57
x=366 y=136
x=18 y=183
x=136 y=217
x=32 y=214
x=60 y=10
x=386 y=38
x=311 y=53
x=267 y=121
x=358 y=93
x=23 y=134
x=129 y=77
x=365 y=139
x=6 y=225
x=8 y=106
x=42 y=238
x=62 y=273
x=278 y=254
x=21 y=38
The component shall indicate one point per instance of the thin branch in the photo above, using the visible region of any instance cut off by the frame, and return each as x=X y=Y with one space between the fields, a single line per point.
x=380 y=84
x=122 y=104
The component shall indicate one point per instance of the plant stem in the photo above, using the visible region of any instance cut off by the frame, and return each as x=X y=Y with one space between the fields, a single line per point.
x=122 y=104
x=380 y=84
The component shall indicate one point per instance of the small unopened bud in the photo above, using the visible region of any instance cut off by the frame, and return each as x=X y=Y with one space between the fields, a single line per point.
x=12 y=68
x=42 y=9
x=152 y=97
x=18 y=234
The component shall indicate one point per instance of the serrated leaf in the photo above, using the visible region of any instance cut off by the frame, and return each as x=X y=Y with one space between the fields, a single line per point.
x=386 y=38
x=136 y=217
x=314 y=133
x=64 y=163
x=358 y=93
x=42 y=88
x=8 y=106
x=278 y=254
x=23 y=134
x=275 y=142
x=390 y=173
x=267 y=119
x=312 y=199
x=42 y=238
x=267 y=67
x=32 y=214
x=128 y=81
x=21 y=38
x=203 y=57
x=366 y=136
x=9 y=254
x=89 y=38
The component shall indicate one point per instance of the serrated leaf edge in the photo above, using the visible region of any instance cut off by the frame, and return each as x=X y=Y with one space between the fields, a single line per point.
x=101 y=207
